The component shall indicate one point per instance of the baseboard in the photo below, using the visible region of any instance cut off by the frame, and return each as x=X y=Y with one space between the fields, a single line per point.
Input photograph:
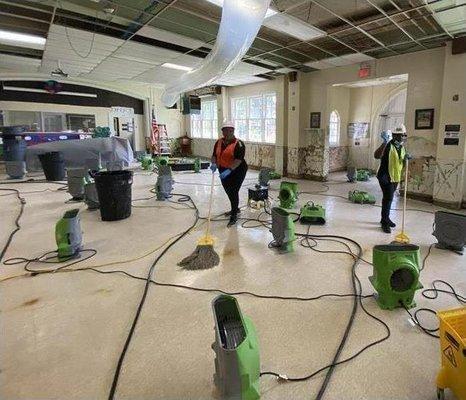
x=454 y=205
x=317 y=178
x=419 y=196
x=340 y=169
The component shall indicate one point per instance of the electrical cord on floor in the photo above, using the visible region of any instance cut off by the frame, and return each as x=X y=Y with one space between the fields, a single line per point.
x=51 y=257
x=22 y=202
x=423 y=265
x=432 y=294
x=111 y=395
x=357 y=287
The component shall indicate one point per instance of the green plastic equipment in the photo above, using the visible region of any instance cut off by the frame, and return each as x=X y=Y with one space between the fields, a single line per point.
x=68 y=234
x=312 y=214
x=363 y=175
x=237 y=361
x=396 y=275
x=288 y=194
x=283 y=230
x=358 y=196
x=146 y=162
x=197 y=165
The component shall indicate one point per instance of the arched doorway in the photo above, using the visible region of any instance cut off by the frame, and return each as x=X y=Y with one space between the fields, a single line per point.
x=393 y=112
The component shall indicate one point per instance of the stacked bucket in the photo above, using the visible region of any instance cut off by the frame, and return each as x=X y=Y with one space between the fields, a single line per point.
x=14 y=151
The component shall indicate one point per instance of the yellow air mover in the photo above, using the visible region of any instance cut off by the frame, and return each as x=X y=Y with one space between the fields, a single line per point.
x=452 y=334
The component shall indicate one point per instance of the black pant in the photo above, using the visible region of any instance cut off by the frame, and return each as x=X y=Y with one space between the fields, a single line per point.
x=232 y=184
x=388 y=190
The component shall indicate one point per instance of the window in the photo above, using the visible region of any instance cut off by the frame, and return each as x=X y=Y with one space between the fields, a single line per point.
x=254 y=117
x=204 y=125
x=334 y=128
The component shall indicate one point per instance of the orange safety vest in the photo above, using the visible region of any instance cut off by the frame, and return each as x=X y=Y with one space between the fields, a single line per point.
x=225 y=157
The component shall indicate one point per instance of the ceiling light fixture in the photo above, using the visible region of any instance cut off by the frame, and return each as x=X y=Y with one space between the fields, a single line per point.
x=176 y=66
x=21 y=39
x=219 y=3
x=293 y=26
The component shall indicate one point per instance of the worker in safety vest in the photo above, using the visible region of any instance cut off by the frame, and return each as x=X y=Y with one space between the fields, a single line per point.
x=228 y=156
x=392 y=156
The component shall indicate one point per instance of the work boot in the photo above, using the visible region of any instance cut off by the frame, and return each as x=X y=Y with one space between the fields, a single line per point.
x=386 y=228
x=390 y=223
x=232 y=221
x=228 y=214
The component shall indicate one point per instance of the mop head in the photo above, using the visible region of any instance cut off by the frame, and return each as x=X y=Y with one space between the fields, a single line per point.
x=204 y=257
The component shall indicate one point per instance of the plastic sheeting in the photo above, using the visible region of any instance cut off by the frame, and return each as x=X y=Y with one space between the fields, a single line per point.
x=241 y=20
x=76 y=152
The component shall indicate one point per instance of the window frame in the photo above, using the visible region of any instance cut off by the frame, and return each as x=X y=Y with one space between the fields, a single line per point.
x=337 y=123
x=197 y=132
x=263 y=116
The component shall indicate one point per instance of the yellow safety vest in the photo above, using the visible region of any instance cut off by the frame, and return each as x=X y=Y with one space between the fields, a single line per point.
x=395 y=163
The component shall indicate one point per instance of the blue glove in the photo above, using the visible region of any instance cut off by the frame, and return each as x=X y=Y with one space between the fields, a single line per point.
x=225 y=173
x=213 y=167
x=408 y=156
x=385 y=136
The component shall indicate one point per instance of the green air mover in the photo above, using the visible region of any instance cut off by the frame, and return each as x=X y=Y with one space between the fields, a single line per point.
x=161 y=161
x=197 y=165
x=396 y=274
x=357 y=196
x=288 y=194
x=146 y=162
x=68 y=234
x=237 y=362
x=313 y=214
x=283 y=230
x=363 y=175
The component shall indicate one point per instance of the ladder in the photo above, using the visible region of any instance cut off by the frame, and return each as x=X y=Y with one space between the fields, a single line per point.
x=159 y=140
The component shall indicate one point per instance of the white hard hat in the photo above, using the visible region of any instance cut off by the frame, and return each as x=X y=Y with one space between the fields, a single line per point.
x=400 y=130
x=228 y=124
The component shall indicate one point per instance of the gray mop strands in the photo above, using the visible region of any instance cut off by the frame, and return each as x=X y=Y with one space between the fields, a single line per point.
x=204 y=257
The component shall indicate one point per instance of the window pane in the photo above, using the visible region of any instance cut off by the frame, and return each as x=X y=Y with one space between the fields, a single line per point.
x=270 y=106
x=241 y=128
x=214 y=128
x=255 y=130
x=255 y=107
x=240 y=108
x=270 y=130
x=206 y=129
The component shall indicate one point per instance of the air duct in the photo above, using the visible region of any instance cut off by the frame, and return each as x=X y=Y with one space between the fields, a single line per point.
x=241 y=20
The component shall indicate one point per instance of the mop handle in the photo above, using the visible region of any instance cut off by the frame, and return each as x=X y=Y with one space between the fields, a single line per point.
x=207 y=231
x=404 y=197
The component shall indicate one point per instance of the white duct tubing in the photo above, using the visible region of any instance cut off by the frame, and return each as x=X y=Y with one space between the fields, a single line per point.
x=241 y=20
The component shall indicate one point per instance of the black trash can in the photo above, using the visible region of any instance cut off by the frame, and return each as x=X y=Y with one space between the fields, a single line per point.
x=53 y=165
x=114 y=192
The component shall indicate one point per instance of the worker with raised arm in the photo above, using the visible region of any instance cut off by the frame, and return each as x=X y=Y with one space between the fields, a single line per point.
x=228 y=156
x=392 y=156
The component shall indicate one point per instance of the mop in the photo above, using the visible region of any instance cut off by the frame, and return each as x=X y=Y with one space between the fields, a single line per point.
x=204 y=256
x=402 y=237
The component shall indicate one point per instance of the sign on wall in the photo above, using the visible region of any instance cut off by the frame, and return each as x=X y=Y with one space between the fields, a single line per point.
x=452 y=135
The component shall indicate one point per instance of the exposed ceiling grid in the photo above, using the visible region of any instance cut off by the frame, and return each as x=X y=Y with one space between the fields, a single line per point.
x=134 y=38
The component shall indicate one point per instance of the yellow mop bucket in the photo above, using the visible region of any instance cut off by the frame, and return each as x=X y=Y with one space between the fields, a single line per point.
x=452 y=334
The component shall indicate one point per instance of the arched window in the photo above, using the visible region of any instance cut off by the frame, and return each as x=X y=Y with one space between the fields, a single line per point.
x=334 y=128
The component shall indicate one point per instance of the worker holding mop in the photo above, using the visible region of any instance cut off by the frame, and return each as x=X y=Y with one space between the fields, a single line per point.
x=228 y=156
x=392 y=156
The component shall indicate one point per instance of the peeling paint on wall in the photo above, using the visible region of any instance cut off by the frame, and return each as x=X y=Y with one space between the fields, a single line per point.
x=449 y=181
x=421 y=176
x=257 y=154
x=338 y=158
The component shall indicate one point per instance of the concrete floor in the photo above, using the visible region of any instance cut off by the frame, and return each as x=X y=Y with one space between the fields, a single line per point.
x=62 y=333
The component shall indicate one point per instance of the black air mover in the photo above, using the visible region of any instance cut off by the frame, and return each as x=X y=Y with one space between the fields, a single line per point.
x=450 y=231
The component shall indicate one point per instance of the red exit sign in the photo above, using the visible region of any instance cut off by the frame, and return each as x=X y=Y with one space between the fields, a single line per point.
x=364 y=72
